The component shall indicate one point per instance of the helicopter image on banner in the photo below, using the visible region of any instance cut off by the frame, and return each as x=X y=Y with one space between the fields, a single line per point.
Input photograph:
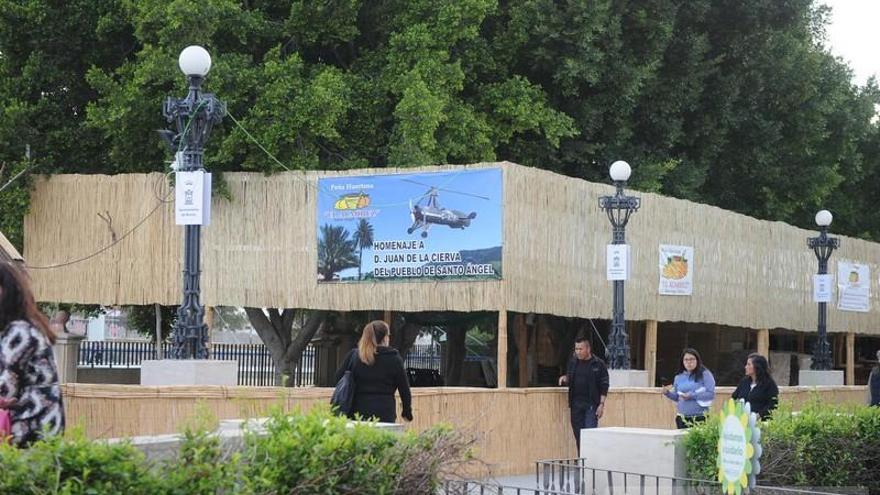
x=427 y=211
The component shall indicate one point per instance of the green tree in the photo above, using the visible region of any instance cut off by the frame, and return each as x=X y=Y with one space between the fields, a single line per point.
x=336 y=252
x=363 y=238
x=735 y=103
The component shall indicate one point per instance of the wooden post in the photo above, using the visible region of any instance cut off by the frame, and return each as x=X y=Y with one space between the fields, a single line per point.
x=522 y=349
x=158 y=310
x=850 y=358
x=386 y=317
x=764 y=342
x=209 y=321
x=800 y=342
x=651 y=351
x=502 y=349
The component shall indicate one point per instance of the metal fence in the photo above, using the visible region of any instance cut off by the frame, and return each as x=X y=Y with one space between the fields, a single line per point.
x=255 y=364
x=423 y=356
x=485 y=488
x=575 y=476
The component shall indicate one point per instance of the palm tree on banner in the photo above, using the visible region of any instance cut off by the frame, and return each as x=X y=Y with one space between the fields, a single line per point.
x=336 y=252
x=363 y=237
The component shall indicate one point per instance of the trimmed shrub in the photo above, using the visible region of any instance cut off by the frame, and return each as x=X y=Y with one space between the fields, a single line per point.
x=819 y=446
x=312 y=453
x=75 y=465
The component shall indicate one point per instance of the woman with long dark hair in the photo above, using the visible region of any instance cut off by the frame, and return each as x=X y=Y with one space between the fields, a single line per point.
x=378 y=372
x=758 y=387
x=29 y=389
x=692 y=390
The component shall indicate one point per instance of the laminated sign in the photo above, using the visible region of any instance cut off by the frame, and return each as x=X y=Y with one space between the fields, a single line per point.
x=617 y=261
x=676 y=270
x=822 y=286
x=853 y=286
x=192 y=198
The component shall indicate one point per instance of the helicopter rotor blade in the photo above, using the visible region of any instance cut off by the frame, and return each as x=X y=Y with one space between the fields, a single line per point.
x=463 y=193
x=417 y=182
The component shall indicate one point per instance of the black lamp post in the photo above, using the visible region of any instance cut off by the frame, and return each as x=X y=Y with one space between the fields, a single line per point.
x=193 y=116
x=822 y=245
x=619 y=208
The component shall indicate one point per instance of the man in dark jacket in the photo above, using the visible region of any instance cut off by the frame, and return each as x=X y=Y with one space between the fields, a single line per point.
x=587 y=380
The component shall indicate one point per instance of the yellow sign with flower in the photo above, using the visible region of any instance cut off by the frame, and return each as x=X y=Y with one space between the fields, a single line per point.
x=739 y=448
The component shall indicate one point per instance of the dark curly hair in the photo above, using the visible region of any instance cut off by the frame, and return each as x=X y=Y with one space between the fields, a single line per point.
x=17 y=301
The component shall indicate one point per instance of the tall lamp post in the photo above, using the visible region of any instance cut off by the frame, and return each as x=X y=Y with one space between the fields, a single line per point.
x=193 y=117
x=619 y=208
x=822 y=245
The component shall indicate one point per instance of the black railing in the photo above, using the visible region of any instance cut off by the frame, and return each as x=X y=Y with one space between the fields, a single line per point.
x=486 y=488
x=424 y=356
x=575 y=476
x=255 y=364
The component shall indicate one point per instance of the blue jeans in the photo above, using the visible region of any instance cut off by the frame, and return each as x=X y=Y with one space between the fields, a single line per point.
x=582 y=417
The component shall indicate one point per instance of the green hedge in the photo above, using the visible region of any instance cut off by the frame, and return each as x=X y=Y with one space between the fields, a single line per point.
x=819 y=446
x=313 y=453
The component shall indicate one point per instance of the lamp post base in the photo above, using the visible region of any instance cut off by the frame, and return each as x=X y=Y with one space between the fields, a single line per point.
x=628 y=378
x=812 y=378
x=189 y=372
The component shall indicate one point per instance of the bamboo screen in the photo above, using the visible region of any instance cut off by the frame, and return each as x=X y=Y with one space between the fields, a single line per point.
x=502 y=419
x=8 y=251
x=261 y=250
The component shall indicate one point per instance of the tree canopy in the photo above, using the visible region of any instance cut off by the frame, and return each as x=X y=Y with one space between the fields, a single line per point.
x=735 y=103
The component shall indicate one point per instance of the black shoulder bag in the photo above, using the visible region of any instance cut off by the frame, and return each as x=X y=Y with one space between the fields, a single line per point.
x=343 y=395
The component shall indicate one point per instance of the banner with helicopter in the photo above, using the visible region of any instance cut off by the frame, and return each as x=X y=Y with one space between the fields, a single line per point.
x=444 y=225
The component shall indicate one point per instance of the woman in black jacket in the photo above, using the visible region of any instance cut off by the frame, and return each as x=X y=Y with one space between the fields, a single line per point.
x=758 y=387
x=874 y=383
x=377 y=371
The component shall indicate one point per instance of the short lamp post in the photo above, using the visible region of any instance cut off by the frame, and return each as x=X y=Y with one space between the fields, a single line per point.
x=619 y=208
x=193 y=118
x=822 y=245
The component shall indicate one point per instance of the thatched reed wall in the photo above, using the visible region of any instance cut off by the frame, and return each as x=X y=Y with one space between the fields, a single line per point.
x=8 y=252
x=517 y=426
x=261 y=250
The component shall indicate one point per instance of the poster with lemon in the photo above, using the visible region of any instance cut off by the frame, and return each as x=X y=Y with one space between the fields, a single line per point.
x=853 y=286
x=676 y=270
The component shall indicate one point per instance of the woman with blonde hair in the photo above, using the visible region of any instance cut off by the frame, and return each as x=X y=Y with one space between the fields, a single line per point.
x=378 y=372
x=30 y=396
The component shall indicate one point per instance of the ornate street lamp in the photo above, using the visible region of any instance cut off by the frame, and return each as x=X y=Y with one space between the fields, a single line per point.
x=619 y=208
x=822 y=246
x=193 y=117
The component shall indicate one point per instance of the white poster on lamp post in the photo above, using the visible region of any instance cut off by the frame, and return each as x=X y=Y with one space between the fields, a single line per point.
x=822 y=287
x=853 y=286
x=192 y=198
x=617 y=262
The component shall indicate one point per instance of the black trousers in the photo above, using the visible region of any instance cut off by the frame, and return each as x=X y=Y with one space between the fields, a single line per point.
x=686 y=422
x=582 y=416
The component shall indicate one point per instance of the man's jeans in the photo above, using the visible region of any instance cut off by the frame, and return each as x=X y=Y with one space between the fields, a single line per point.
x=582 y=417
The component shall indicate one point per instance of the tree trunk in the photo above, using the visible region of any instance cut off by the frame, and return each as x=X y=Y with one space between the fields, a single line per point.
x=275 y=329
x=455 y=353
x=404 y=337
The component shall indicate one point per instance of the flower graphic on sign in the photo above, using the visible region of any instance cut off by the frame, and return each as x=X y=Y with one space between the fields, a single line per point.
x=739 y=448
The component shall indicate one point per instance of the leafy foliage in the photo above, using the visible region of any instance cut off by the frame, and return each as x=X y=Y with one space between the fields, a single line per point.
x=820 y=445
x=733 y=103
x=312 y=453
